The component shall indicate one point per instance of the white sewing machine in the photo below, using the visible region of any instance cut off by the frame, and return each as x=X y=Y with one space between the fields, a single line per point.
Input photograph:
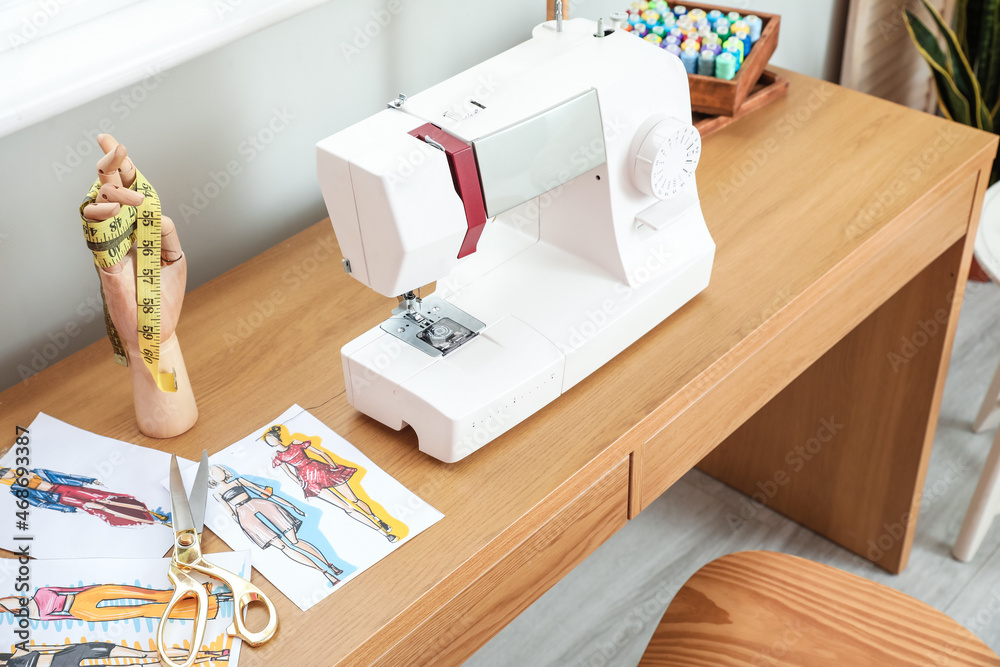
x=580 y=147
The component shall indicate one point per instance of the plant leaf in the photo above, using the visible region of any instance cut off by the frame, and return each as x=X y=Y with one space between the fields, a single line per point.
x=962 y=74
x=952 y=103
x=988 y=65
x=968 y=22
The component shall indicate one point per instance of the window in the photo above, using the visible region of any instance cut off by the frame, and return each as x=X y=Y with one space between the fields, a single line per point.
x=24 y=21
x=51 y=57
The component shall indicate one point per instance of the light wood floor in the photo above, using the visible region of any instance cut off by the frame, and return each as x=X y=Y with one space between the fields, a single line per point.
x=604 y=612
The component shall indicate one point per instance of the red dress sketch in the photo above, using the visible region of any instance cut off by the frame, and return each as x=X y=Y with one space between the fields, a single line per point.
x=323 y=478
x=315 y=475
x=68 y=493
x=95 y=502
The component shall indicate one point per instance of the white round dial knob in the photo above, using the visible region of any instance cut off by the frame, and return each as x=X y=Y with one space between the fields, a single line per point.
x=666 y=154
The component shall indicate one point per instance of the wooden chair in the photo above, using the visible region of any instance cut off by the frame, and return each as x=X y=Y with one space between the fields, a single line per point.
x=764 y=608
x=985 y=502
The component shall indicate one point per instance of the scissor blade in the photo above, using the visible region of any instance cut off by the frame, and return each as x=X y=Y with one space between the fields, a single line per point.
x=179 y=506
x=199 y=493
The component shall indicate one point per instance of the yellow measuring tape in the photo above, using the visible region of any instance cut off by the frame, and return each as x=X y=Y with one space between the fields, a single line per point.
x=110 y=240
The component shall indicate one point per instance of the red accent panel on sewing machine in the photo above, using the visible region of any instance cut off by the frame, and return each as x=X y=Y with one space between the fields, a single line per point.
x=465 y=174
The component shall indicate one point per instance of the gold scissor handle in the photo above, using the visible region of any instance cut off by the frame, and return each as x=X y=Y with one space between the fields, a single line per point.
x=243 y=594
x=185 y=586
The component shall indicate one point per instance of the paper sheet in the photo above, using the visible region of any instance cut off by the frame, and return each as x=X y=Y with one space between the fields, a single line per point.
x=88 y=495
x=115 y=611
x=302 y=518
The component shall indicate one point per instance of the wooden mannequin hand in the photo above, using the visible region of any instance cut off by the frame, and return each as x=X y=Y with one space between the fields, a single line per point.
x=117 y=173
x=159 y=413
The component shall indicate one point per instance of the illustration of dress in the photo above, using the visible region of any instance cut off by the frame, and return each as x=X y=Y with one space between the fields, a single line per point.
x=251 y=511
x=266 y=520
x=323 y=478
x=114 y=602
x=99 y=653
x=315 y=475
x=71 y=656
x=67 y=493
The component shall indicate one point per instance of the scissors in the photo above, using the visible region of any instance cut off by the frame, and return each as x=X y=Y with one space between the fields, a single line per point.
x=188 y=521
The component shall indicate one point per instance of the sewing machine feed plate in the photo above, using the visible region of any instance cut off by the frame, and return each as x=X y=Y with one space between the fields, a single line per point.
x=434 y=327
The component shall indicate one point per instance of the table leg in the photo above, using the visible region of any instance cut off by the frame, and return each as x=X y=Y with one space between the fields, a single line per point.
x=844 y=448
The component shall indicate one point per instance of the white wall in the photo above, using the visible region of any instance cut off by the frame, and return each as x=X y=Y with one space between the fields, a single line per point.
x=193 y=122
x=291 y=85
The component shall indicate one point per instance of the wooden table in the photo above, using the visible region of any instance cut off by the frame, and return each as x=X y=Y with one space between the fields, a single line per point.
x=809 y=373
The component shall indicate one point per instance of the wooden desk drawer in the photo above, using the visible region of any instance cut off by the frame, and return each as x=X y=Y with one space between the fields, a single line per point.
x=824 y=315
x=467 y=621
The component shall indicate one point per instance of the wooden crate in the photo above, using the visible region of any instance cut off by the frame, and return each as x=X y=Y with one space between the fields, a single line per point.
x=720 y=97
x=768 y=88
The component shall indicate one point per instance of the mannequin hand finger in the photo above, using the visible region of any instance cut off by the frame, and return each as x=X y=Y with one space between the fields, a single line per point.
x=107 y=166
x=127 y=169
x=97 y=212
x=170 y=245
x=127 y=172
x=120 y=275
x=106 y=142
x=122 y=195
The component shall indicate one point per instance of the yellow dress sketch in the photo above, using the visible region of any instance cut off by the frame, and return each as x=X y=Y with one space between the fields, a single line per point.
x=107 y=602
x=335 y=480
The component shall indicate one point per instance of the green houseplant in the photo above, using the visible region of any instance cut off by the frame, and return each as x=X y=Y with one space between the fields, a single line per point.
x=967 y=71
